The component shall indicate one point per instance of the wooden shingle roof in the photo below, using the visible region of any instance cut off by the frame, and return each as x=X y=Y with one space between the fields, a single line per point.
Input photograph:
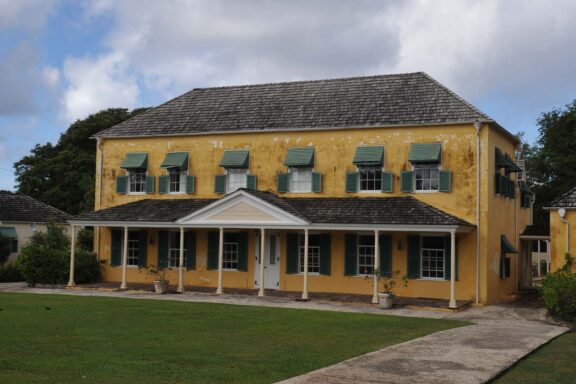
x=567 y=200
x=15 y=207
x=386 y=100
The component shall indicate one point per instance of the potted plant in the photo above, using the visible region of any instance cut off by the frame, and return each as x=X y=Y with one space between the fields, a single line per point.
x=390 y=282
x=160 y=281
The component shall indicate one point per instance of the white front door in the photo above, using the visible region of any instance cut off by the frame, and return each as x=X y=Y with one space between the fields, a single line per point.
x=271 y=262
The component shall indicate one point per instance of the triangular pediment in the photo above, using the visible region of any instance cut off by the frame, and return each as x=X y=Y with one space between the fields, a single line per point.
x=241 y=208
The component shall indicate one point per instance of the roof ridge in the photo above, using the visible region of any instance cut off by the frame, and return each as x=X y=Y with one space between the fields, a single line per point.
x=563 y=196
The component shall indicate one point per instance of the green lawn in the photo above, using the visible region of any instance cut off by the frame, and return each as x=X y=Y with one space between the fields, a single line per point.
x=110 y=340
x=554 y=363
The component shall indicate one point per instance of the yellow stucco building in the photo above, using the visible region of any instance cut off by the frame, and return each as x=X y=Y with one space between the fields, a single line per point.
x=562 y=226
x=313 y=187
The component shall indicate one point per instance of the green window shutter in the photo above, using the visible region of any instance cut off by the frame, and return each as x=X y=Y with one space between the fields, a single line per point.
x=213 y=240
x=162 y=184
x=414 y=257
x=292 y=252
x=350 y=254
x=387 y=182
x=121 y=184
x=220 y=184
x=503 y=186
x=282 y=182
x=369 y=156
x=142 y=248
x=406 y=183
x=352 y=182
x=251 y=182
x=316 y=182
x=425 y=153
x=149 y=184
x=385 y=242
x=116 y=247
x=163 y=239
x=300 y=157
x=497 y=183
x=14 y=245
x=445 y=181
x=190 y=184
x=190 y=244
x=325 y=252
x=511 y=189
x=235 y=159
x=242 y=251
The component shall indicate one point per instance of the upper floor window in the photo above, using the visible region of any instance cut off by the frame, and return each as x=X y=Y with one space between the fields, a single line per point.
x=237 y=178
x=300 y=179
x=137 y=180
x=370 y=178
x=176 y=163
x=426 y=177
x=177 y=180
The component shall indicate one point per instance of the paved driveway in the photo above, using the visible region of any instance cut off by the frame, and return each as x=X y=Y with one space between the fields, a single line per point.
x=499 y=336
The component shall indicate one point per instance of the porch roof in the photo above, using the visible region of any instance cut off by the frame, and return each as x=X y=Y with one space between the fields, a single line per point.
x=401 y=211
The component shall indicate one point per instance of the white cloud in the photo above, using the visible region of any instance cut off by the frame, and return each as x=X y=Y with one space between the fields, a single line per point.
x=29 y=15
x=97 y=83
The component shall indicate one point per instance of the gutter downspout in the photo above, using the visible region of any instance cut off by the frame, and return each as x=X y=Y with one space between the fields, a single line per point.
x=478 y=127
x=99 y=203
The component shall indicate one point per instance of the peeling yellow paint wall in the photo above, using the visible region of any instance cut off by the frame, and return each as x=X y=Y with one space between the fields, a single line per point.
x=558 y=238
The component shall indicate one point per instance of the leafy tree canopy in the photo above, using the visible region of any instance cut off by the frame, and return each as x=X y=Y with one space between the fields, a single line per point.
x=551 y=161
x=63 y=175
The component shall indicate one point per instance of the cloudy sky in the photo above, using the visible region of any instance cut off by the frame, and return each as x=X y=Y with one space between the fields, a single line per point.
x=61 y=60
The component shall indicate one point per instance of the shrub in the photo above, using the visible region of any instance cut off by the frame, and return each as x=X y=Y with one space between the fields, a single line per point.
x=86 y=267
x=5 y=246
x=559 y=294
x=10 y=273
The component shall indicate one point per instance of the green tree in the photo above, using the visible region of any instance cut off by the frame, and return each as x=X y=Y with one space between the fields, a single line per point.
x=551 y=161
x=63 y=175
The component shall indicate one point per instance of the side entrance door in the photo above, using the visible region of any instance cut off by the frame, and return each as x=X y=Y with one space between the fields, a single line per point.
x=271 y=261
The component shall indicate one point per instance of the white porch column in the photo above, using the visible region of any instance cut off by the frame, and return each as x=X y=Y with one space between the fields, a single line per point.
x=305 y=288
x=538 y=258
x=71 y=282
x=124 y=259
x=262 y=260
x=547 y=256
x=220 y=260
x=376 y=266
x=181 y=263
x=452 y=270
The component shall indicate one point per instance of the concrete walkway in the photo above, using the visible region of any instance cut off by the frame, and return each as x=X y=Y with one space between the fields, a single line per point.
x=500 y=336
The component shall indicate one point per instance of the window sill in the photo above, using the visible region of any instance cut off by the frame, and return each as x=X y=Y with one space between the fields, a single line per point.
x=431 y=279
x=309 y=274
x=371 y=191
x=136 y=193
x=415 y=191
x=176 y=193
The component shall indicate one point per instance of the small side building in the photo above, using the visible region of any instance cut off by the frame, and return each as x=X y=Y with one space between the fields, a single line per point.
x=562 y=226
x=21 y=216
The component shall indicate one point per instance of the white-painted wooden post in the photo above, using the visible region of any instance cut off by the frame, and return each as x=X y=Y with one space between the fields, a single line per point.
x=452 y=270
x=124 y=259
x=305 y=288
x=547 y=256
x=376 y=266
x=181 y=263
x=262 y=260
x=220 y=260
x=71 y=282
x=539 y=272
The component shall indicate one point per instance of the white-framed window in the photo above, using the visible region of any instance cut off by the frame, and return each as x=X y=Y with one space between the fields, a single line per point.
x=176 y=180
x=230 y=255
x=133 y=256
x=366 y=251
x=137 y=180
x=432 y=258
x=426 y=177
x=300 y=179
x=369 y=178
x=237 y=178
x=174 y=250
x=313 y=254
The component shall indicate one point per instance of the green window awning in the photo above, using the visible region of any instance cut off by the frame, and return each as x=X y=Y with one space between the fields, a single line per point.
x=235 y=159
x=512 y=167
x=176 y=160
x=506 y=246
x=8 y=232
x=425 y=153
x=369 y=156
x=503 y=160
x=135 y=160
x=300 y=157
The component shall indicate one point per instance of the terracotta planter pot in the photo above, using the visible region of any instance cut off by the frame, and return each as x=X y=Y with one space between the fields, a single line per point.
x=160 y=286
x=386 y=300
